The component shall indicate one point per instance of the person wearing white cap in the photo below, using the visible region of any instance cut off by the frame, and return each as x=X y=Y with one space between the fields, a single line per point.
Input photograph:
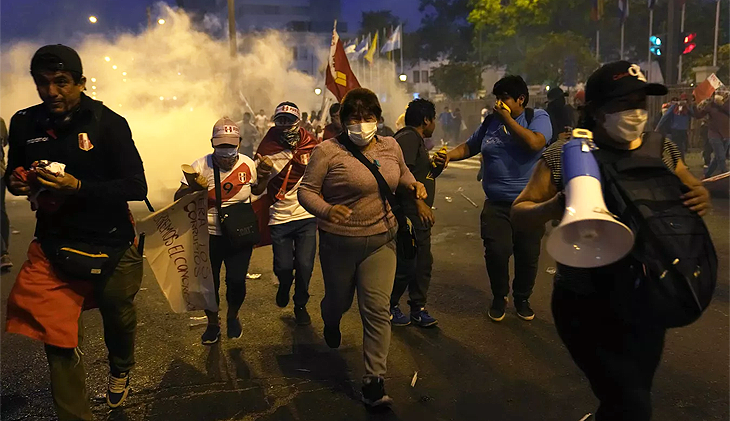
x=239 y=178
x=293 y=229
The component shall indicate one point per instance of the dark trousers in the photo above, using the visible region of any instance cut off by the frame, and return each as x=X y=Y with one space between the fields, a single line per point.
x=294 y=245
x=115 y=298
x=720 y=150
x=618 y=359
x=679 y=137
x=414 y=274
x=237 y=261
x=4 y=220
x=501 y=240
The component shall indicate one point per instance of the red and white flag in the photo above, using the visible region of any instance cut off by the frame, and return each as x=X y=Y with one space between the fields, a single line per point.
x=339 y=78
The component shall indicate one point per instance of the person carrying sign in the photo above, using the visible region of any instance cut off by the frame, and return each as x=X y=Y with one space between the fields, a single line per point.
x=230 y=179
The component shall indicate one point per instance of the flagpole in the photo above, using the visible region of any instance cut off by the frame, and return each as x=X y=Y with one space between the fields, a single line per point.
x=717 y=32
x=622 y=39
x=651 y=28
x=681 y=29
x=401 y=49
x=371 y=63
x=598 y=45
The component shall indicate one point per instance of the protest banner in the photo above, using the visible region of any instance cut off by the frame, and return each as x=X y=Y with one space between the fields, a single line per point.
x=705 y=89
x=176 y=247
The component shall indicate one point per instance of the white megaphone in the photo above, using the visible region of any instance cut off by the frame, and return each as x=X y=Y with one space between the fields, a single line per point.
x=589 y=235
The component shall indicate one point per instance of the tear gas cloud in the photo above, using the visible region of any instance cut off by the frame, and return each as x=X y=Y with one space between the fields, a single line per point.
x=173 y=81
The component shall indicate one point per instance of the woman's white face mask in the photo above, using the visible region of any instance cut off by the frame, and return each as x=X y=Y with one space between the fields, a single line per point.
x=361 y=134
x=626 y=126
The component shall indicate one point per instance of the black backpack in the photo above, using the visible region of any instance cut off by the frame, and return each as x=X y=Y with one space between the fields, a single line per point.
x=674 y=263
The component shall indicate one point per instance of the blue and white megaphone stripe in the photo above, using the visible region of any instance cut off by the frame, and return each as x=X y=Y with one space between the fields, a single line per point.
x=589 y=235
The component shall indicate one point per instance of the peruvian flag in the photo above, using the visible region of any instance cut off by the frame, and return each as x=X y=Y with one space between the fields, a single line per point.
x=339 y=78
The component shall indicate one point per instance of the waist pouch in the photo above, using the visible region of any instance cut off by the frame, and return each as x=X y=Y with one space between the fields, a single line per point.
x=81 y=260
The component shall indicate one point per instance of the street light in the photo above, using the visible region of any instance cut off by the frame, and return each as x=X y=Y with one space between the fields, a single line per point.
x=92 y=19
x=403 y=77
x=160 y=21
x=93 y=79
x=114 y=67
x=107 y=59
x=317 y=91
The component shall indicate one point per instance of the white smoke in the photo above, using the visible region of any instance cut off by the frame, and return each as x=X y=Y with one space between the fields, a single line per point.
x=172 y=82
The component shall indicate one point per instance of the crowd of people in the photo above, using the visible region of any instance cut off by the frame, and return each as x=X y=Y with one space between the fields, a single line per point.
x=365 y=192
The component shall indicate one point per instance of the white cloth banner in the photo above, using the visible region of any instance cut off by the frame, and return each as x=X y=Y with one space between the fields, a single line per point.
x=176 y=246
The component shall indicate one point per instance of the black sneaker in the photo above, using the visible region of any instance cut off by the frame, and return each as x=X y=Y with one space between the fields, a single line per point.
x=524 y=311
x=211 y=335
x=302 y=316
x=282 y=296
x=233 y=328
x=496 y=312
x=332 y=336
x=373 y=393
x=117 y=390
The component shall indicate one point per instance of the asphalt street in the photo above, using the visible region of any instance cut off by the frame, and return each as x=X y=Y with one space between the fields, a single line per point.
x=468 y=368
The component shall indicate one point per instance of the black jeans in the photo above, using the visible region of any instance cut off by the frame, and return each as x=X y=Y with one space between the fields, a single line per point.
x=295 y=245
x=4 y=220
x=679 y=137
x=501 y=240
x=619 y=359
x=414 y=274
x=237 y=261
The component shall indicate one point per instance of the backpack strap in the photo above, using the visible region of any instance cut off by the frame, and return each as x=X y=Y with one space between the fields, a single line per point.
x=529 y=115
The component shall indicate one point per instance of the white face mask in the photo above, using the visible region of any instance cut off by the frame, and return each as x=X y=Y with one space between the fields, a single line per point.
x=361 y=134
x=626 y=126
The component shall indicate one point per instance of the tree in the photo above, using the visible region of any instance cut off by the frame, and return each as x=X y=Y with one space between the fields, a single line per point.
x=376 y=21
x=723 y=58
x=546 y=58
x=456 y=80
x=445 y=31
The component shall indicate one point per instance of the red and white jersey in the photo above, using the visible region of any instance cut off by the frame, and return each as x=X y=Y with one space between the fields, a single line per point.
x=235 y=186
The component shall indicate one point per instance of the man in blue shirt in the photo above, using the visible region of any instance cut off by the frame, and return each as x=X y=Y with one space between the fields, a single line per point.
x=511 y=142
x=445 y=121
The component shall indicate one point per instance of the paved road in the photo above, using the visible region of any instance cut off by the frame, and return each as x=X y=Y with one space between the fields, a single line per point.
x=468 y=368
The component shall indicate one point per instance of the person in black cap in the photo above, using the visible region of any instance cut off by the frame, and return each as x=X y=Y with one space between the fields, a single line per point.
x=76 y=161
x=619 y=353
x=561 y=114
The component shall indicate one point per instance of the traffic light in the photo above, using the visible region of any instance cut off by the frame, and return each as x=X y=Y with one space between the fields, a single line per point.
x=655 y=45
x=687 y=42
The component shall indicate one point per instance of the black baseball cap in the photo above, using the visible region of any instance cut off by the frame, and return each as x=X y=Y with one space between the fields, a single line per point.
x=56 y=58
x=555 y=93
x=617 y=79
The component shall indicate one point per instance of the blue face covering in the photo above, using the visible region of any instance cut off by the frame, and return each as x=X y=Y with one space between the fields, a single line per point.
x=226 y=153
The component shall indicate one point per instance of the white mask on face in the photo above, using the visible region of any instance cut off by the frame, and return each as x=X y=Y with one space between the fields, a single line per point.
x=626 y=126
x=361 y=134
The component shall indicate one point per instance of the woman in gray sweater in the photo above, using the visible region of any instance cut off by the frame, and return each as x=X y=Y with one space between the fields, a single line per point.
x=357 y=230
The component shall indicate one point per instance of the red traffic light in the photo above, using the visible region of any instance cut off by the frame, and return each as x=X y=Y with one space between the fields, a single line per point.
x=688 y=48
x=690 y=37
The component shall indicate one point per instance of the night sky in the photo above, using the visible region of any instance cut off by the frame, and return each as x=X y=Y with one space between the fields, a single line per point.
x=48 y=20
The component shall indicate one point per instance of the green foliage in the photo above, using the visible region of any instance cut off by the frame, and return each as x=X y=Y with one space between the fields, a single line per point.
x=456 y=80
x=723 y=58
x=378 y=20
x=545 y=58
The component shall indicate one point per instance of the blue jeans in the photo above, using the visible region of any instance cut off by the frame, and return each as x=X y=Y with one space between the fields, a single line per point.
x=719 y=150
x=294 y=245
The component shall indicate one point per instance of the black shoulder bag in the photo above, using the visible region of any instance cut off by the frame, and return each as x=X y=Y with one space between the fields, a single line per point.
x=238 y=222
x=406 y=239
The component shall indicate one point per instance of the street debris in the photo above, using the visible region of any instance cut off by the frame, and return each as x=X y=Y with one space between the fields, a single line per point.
x=415 y=379
x=585 y=417
x=460 y=190
x=551 y=270
x=448 y=199
x=198 y=321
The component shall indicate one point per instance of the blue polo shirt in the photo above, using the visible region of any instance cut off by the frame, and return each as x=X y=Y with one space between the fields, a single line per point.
x=508 y=164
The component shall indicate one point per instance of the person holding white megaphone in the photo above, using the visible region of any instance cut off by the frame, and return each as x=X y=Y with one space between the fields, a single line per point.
x=634 y=256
